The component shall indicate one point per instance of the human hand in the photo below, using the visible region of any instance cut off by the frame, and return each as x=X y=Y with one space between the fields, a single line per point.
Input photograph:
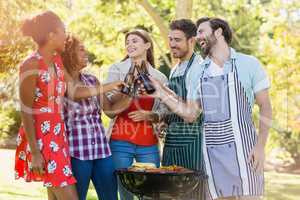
x=159 y=88
x=38 y=163
x=117 y=85
x=160 y=128
x=140 y=115
x=257 y=158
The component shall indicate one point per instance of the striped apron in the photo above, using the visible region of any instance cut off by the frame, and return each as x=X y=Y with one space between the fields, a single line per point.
x=183 y=143
x=229 y=136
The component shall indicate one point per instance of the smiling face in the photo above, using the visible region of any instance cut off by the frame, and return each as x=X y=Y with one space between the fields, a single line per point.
x=206 y=38
x=82 y=57
x=75 y=56
x=178 y=43
x=136 y=47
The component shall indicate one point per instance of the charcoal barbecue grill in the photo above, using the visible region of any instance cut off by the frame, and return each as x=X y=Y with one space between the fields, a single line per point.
x=161 y=185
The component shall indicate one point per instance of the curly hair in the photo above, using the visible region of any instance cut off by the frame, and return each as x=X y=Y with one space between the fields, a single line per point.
x=69 y=56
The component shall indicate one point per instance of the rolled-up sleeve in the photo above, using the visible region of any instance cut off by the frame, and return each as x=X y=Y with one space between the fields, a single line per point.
x=259 y=78
x=193 y=82
x=193 y=92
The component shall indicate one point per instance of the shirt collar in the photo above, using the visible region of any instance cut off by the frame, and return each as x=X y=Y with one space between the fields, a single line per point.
x=185 y=62
x=233 y=55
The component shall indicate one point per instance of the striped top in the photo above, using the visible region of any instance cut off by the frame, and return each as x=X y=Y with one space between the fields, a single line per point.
x=84 y=128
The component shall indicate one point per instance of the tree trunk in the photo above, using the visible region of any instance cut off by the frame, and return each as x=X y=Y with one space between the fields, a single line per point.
x=184 y=9
x=160 y=23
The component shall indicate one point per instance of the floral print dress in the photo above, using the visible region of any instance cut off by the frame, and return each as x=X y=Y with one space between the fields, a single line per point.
x=49 y=130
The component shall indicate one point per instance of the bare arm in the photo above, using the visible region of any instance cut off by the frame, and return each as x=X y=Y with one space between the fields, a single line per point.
x=28 y=78
x=117 y=104
x=77 y=91
x=189 y=110
x=116 y=101
x=257 y=155
x=265 y=115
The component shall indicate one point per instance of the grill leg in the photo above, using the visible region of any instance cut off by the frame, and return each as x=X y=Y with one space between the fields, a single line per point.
x=156 y=196
x=140 y=197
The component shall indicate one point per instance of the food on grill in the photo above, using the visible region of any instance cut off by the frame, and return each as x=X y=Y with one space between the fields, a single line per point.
x=170 y=169
x=138 y=166
x=149 y=167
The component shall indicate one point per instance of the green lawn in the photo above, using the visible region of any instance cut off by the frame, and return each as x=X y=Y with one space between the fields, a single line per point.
x=278 y=186
x=282 y=186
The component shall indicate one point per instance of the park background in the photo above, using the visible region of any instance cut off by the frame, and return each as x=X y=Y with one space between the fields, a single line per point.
x=267 y=29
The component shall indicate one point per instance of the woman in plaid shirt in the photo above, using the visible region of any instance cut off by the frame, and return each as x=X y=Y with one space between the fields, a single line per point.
x=89 y=149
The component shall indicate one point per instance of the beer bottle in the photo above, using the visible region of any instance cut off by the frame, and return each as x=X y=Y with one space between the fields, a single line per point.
x=143 y=76
x=129 y=80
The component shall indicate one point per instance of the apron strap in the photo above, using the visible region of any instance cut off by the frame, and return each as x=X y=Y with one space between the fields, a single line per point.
x=181 y=88
x=191 y=60
x=205 y=68
x=233 y=65
x=189 y=64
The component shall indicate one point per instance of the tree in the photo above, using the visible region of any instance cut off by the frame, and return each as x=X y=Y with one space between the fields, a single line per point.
x=184 y=9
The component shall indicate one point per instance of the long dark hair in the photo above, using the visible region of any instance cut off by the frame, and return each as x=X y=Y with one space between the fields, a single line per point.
x=146 y=38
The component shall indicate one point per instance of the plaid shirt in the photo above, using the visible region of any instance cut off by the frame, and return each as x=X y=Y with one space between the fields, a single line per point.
x=87 y=140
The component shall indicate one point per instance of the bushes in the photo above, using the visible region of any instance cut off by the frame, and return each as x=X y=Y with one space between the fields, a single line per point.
x=10 y=118
x=289 y=140
x=10 y=121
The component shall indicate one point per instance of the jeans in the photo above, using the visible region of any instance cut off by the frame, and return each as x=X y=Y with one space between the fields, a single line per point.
x=124 y=153
x=101 y=172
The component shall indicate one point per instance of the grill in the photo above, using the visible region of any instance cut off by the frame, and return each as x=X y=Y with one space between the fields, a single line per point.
x=157 y=185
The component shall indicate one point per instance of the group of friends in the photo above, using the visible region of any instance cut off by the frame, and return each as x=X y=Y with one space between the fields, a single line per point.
x=205 y=106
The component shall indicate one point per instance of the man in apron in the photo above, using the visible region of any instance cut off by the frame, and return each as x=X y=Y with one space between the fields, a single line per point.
x=228 y=85
x=183 y=142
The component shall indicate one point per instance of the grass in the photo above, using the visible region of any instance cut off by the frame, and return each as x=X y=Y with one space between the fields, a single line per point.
x=282 y=186
x=278 y=186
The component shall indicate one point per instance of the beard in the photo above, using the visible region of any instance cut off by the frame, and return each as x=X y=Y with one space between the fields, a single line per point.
x=210 y=41
x=181 y=52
